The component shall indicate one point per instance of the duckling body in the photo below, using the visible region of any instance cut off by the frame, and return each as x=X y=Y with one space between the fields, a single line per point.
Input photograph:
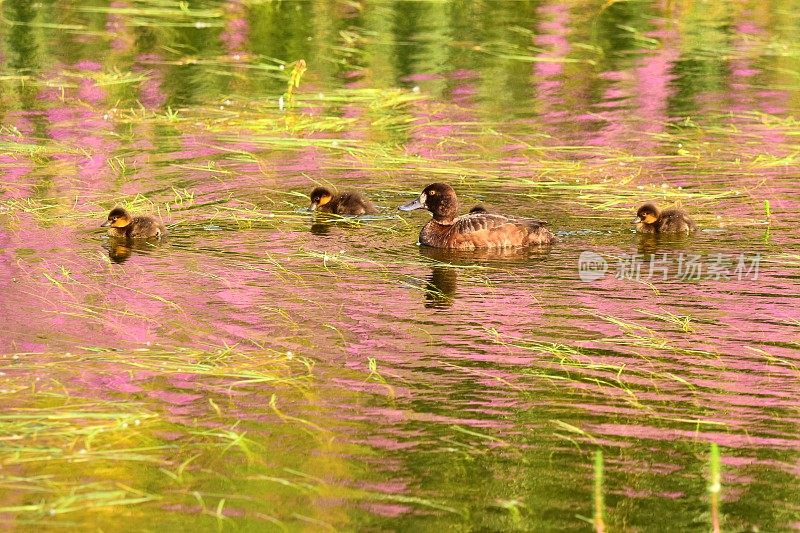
x=474 y=230
x=650 y=219
x=121 y=225
x=346 y=203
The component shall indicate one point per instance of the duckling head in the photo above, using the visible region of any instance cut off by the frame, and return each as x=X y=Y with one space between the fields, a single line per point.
x=478 y=209
x=117 y=218
x=438 y=198
x=319 y=197
x=647 y=214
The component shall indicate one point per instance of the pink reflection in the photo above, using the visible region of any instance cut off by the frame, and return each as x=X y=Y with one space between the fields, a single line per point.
x=654 y=87
x=388 y=510
x=236 y=35
x=723 y=439
x=553 y=37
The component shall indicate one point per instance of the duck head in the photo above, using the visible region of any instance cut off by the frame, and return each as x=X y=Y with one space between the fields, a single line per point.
x=647 y=214
x=438 y=198
x=117 y=218
x=319 y=197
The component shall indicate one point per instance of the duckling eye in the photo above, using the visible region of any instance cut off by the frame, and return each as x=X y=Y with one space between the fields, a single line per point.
x=432 y=193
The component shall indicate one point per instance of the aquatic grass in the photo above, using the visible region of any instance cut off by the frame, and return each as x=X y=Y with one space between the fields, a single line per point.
x=72 y=430
x=507 y=50
x=377 y=157
x=36 y=148
x=579 y=365
x=256 y=117
x=714 y=486
x=780 y=361
x=682 y=321
x=39 y=209
x=574 y=429
x=267 y=67
x=47 y=25
x=514 y=508
x=658 y=343
x=108 y=78
x=82 y=500
x=296 y=74
x=49 y=429
x=306 y=483
x=162 y=14
x=171 y=115
x=233 y=367
x=237 y=367
x=95 y=209
x=599 y=501
x=637 y=335
x=483 y=374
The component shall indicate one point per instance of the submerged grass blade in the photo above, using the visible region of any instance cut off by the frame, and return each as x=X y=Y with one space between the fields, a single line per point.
x=599 y=501
x=714 y=486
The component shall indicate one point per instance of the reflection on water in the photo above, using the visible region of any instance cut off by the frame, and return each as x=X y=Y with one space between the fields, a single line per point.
x=649 y=243
x=120 y=250
x=253 y=374
x=320 y=228
x=442 y=283
x=489 y=257
x=441 y=287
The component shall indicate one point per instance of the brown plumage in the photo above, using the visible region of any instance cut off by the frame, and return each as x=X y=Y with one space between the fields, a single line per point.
x=122 y=225
x=346 y=203
x=474 y=230
x=650 y=219
x=478 y=209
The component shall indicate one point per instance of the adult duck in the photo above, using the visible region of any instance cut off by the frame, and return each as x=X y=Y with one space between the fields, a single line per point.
x=475 y=230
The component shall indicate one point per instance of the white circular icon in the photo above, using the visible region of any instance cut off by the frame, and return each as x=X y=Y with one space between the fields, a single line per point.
x=591 y=266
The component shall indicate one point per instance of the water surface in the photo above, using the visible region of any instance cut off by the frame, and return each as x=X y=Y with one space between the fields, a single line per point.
x=264 y=369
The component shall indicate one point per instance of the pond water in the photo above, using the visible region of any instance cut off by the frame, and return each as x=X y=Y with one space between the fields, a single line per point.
x=263 y=369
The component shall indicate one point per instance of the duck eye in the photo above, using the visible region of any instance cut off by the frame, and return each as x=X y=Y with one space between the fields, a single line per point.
x=432 y=193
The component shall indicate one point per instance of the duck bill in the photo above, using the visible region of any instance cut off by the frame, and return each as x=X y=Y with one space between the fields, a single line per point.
x=313 y=207
x=636 y=220
x=105 y=224
x=410 y=206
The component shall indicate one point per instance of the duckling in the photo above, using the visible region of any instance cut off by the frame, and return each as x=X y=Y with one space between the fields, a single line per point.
x=478 y=209
x=473 y=230
x=122 y=225
x=346 y=203
x=649 y=219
